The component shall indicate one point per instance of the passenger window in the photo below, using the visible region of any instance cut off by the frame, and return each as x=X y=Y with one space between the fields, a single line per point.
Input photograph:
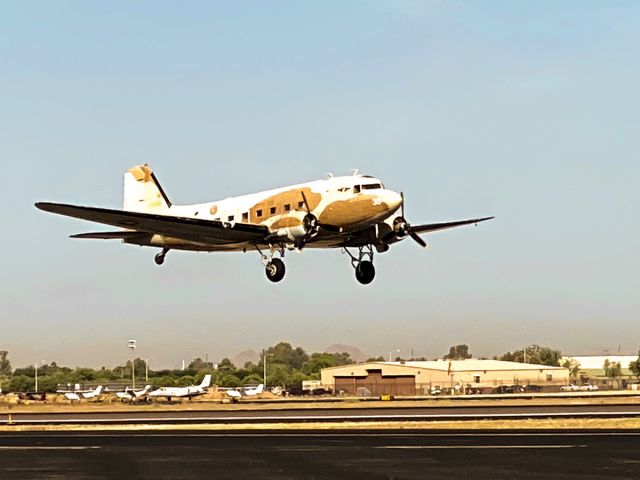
x=245 y=216
x=356 y=189
x=300 y=204
x=230 y=218
x=272 y=210
x=287 y=207
x=258 y=213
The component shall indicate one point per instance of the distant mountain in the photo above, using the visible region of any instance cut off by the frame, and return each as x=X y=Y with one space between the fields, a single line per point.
x=354 y=352
x=245 y=356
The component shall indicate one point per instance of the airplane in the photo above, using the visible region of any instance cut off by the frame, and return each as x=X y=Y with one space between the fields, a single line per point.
x=248 y=391
x=345 y=212
x=130 y=395
x=77 y=396
x=183 y=392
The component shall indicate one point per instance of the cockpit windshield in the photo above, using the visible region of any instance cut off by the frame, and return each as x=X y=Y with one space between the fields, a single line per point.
x=372 y=186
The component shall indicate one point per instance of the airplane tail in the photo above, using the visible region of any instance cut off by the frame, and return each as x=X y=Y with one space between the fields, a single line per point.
x=142 y=191
x=206 y=381
x=98 y=390
x=260 y=389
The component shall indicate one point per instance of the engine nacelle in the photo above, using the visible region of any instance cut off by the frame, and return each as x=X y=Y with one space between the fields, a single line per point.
x=300 y=233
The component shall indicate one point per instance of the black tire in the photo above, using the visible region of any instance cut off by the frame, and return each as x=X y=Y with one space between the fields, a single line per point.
x=159 y=258
x=275 y=270
x=365 y=272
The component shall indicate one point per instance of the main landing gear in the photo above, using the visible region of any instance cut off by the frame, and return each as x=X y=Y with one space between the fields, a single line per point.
x=273 y=266
x=363 y=264
x=159 y=258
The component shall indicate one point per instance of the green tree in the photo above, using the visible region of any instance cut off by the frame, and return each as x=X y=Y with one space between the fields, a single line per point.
x=199 y=364
x=229 y=380
x=318 y=361
x=252 y=379
x=635 y=367
x=285 y=354
x=375 y=359
x=535 y=354
x=573 y=366
x=5 y=364
x=613 y=370
x=458 y=352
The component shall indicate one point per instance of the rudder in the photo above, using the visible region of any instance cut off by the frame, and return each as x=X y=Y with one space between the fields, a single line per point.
x=142 y=191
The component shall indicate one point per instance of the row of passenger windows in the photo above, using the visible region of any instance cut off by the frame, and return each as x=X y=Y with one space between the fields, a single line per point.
x=287 y=206
x=260 y=212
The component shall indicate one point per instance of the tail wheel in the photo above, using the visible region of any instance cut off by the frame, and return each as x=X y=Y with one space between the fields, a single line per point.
x=365 y=272
x=275 y=270
x=159 y=258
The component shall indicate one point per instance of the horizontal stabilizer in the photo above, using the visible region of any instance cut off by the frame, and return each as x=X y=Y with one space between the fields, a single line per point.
x=432 y=227
x=123 y=234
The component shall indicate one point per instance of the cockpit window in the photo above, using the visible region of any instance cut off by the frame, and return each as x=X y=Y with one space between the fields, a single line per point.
x=372 y=186
x=356 y=189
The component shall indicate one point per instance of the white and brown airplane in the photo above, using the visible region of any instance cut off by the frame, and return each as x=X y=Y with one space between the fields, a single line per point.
x=344 y=212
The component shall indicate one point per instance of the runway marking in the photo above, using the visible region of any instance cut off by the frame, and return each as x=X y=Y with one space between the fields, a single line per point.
x=474 y=447
x=40 y=447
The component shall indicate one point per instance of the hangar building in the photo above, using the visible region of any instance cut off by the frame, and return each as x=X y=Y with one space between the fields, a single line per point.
x=419 y=377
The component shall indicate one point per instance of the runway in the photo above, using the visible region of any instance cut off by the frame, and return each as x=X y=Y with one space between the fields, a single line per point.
x=312 y=455
x=404 y=414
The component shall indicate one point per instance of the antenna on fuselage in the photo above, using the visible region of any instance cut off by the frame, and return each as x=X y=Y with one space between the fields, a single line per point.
x=355 y=171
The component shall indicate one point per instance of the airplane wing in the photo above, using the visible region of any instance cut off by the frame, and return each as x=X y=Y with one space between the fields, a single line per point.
x=191 y=229
x=432 y=227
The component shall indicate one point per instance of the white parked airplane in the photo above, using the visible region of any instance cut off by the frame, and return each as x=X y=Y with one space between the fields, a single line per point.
x=247 y=391
x=344 y=212
x=130 y=395
x=77 y=396
x=183 y=392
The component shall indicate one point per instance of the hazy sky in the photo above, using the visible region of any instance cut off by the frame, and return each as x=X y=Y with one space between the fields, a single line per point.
x=529 y=111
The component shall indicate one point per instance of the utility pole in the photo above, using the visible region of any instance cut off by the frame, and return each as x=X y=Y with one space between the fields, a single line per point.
x=132 y=347
x=264 y=366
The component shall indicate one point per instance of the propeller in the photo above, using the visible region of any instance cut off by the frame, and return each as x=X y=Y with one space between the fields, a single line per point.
x=402 y=228
x=310 y=221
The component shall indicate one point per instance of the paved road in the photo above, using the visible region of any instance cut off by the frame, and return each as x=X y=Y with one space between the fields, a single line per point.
x=312 y=455
x=335 y=415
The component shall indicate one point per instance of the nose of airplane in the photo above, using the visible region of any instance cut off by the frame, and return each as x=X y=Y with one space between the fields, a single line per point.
x=393 y=199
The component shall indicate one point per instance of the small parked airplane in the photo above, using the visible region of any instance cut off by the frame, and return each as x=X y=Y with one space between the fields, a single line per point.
x=130 y=395
x=77 y=396
x=344 y=212
x=247 y=391
x=183 y=392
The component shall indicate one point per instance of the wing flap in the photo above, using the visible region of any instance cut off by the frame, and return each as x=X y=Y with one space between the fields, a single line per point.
x=191 y=229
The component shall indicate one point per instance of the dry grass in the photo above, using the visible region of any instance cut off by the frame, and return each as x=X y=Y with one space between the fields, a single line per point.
x=528 y=424
x=199 y=405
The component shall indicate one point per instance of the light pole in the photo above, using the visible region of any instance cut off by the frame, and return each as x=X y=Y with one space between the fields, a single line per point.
x=132 y=347
x=397 y=350
x=264 y=366
x=36 y=368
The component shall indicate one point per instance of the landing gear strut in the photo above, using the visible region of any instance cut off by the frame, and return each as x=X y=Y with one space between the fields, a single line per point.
x=159 y=258
x=365 y=271
x=273 y=267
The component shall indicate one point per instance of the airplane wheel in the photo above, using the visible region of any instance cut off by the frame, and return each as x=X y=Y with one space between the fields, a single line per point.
x=159 y=258
x=275 y=270
x=365 y=272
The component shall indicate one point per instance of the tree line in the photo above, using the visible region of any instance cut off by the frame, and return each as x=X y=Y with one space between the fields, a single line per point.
x=287 y=366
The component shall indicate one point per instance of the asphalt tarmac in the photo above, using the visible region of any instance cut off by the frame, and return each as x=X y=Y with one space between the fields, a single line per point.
x=326 y=414
x=343 y=454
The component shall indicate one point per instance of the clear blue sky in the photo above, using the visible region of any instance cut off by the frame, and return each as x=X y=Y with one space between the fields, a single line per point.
x=524 y=110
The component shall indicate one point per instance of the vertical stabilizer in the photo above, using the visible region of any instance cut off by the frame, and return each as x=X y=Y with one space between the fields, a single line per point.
x=142 y=191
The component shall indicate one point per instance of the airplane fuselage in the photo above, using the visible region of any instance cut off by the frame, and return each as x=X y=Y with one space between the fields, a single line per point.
x=340 y=204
